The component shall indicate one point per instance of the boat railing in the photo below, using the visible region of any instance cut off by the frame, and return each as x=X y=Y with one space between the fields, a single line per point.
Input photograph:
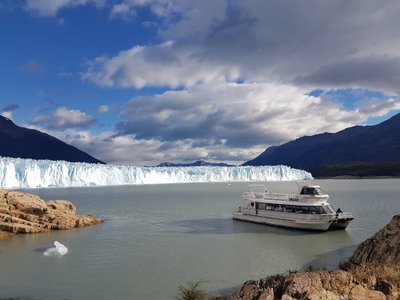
x=254 y=196
x=345 y=215
x=280 y=196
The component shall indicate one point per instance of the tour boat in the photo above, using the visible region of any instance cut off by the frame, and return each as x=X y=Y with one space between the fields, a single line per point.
x=309 y=209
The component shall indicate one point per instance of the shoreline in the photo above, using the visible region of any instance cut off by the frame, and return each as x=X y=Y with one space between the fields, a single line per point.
x=372 y=272
x=351 y=177
x=23 y=213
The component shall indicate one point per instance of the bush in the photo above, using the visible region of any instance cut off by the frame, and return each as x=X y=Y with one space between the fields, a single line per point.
x=191 y=291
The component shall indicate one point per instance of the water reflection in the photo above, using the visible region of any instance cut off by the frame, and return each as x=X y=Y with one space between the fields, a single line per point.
x=229 y=226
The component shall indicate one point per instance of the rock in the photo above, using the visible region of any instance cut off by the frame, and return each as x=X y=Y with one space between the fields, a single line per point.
x=26 y=203
x=4 y=235
x=27 y=213
x=253 y=289
x=383 y=246
x=372 y=272
x=322 y=285
x=327 y=285
x=384 y=287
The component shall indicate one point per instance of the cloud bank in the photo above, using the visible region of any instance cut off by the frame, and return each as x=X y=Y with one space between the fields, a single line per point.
x=236 y=75
x=63 y=118
x=313 y=44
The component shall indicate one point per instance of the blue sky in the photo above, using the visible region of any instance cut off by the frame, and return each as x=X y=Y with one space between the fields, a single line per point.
x=146 y=81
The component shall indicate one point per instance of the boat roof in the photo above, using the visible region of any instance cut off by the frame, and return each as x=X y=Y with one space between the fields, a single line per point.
x=304 y=185
x=306 y=195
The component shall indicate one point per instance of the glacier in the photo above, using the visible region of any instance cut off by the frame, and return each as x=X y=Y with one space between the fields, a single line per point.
x=29 y=173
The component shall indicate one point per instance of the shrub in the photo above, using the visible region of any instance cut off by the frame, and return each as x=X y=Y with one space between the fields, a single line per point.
x=191 y=291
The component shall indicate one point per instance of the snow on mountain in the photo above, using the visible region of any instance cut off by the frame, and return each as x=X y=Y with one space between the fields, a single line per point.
x=28 y=173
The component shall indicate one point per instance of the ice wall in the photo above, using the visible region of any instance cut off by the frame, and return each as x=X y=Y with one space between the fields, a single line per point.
x=28 y=173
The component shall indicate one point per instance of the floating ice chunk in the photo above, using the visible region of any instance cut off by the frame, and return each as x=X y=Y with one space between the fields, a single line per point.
x=59 y=250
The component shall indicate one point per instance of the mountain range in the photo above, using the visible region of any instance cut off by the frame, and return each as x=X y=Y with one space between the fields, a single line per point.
x=23 y=142
x=372 y=148
x=359 y=150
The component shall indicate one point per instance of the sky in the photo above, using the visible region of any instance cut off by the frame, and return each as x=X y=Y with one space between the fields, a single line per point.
x=140 y=82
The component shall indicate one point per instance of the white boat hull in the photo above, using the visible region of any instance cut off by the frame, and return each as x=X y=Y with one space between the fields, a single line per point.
x=317 y=225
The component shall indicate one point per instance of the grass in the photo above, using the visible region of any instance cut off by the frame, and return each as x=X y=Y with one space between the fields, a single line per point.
x=388 y=271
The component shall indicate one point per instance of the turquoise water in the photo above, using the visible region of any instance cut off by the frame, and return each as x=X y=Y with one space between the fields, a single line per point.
x=156 y=237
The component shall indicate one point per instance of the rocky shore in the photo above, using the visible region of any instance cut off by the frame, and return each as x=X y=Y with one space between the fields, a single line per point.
x=27 y=213
x=372 y=272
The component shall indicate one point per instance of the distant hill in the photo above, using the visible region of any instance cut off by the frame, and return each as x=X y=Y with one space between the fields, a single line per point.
x=374 y=149
x=194 y=164
x=22 y=142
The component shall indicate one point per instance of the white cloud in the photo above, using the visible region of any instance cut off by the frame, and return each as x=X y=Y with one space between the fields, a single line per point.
x=104 y=108
x=6 y=114
x=217 y=122
x=255 y=42
x=63 y=118
x=126 y=150
x=379 y=107
x=7 y=111
x=246 y=114
x=122 y=150
x=123 y=11
x=160 y=65
x=50 y=8
x=234 y=122
x=279 y=50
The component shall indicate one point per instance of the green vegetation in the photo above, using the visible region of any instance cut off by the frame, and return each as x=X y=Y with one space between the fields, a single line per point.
x=191 y=291
x=358 y=169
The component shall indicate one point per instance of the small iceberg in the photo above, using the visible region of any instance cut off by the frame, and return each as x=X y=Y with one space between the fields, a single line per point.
x=58 y=250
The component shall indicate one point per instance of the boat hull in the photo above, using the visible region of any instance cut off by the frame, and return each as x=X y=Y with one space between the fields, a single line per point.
x=340 y=224
x=315 y=225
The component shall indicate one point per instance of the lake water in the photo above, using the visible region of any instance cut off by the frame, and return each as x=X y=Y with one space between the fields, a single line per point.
x=156 y=237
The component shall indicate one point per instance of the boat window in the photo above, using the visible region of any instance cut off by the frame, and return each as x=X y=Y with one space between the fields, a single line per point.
x=329 y=209
x=319 y=191
x=261 y=205
x=313 y=210
x=309 y=191
x=300 y=209
x=305 y=210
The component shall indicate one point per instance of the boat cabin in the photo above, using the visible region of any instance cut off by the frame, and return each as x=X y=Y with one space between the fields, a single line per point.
x=311 y=190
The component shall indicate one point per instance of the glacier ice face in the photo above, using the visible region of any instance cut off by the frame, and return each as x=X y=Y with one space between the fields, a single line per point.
x=28 y=173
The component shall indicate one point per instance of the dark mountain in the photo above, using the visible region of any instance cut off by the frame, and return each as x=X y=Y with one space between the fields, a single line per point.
x=22 y=142
x=359 y=144
x=194 y=164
